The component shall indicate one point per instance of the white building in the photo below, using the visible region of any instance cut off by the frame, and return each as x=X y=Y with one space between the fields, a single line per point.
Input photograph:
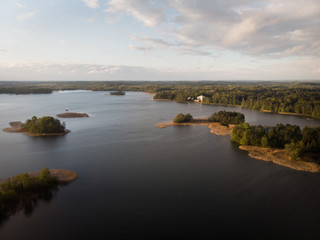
x=201 y=98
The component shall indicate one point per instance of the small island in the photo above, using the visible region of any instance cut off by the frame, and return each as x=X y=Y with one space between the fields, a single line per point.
x=19 y=191
x=118 y=93
x=72 y=115
x=45 y=126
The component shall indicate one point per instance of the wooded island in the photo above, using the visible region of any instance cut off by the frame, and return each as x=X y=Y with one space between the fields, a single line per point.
x=44 y=126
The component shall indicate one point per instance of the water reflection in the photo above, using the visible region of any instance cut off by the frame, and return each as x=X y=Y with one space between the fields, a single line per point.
x=27 y=204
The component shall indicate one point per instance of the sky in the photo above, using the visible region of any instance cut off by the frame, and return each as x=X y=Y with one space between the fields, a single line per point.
x=159 y=40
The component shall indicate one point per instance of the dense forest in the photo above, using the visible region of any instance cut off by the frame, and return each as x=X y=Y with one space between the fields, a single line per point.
x=287 y=97
x=24 y=187
x=43 y=125
x=289 y=137
x=226 y=118
x=303 y=98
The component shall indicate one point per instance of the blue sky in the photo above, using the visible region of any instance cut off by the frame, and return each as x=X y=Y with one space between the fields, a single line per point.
x=159 y=40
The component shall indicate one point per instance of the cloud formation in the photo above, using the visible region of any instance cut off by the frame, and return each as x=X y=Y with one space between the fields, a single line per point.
x=273 y=28
x=292 y=70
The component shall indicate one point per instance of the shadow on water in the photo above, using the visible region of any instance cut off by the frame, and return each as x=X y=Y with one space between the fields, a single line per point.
x=27 y=204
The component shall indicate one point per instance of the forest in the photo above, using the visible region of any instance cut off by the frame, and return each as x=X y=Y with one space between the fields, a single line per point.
x=43 y=125
x=288 y=137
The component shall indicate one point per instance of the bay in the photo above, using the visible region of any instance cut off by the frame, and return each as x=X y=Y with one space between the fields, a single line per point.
x=136 y=180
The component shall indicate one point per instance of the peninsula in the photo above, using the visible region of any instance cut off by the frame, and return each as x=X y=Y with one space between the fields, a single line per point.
x=221 y=123
x=285 y=145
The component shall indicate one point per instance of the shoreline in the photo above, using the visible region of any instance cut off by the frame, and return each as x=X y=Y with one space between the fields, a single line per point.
x=163 y=100
x=215 y=127
x=280 y=157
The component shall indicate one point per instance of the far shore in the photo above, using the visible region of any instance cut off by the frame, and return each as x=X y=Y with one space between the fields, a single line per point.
x=265 y=111
x=280 y=157
x=215 y=127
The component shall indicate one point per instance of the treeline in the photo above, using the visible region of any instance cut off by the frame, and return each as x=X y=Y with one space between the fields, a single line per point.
x=20 y=187
x=223 y=117
x=226 y=118
x=289 y=137
x=43 y=125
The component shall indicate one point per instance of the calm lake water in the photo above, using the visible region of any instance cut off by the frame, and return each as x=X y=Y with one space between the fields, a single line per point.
x=136 y=180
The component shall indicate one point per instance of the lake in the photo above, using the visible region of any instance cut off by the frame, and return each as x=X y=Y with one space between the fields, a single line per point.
x=138 y=181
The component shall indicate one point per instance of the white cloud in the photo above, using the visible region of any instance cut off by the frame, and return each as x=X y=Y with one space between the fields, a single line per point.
x=147 y=11
x=144 y=49
x=27 y=15
x=2 y=51
x=91 y=3
x=20 y=5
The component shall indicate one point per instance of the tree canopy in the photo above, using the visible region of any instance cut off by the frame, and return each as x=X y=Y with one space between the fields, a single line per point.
x=226 y=118
x=43 y=125
x=181 y=118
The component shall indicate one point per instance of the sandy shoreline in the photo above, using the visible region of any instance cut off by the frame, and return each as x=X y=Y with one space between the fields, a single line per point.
x=280 y=157
x=215 y=127
x=163 y=100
